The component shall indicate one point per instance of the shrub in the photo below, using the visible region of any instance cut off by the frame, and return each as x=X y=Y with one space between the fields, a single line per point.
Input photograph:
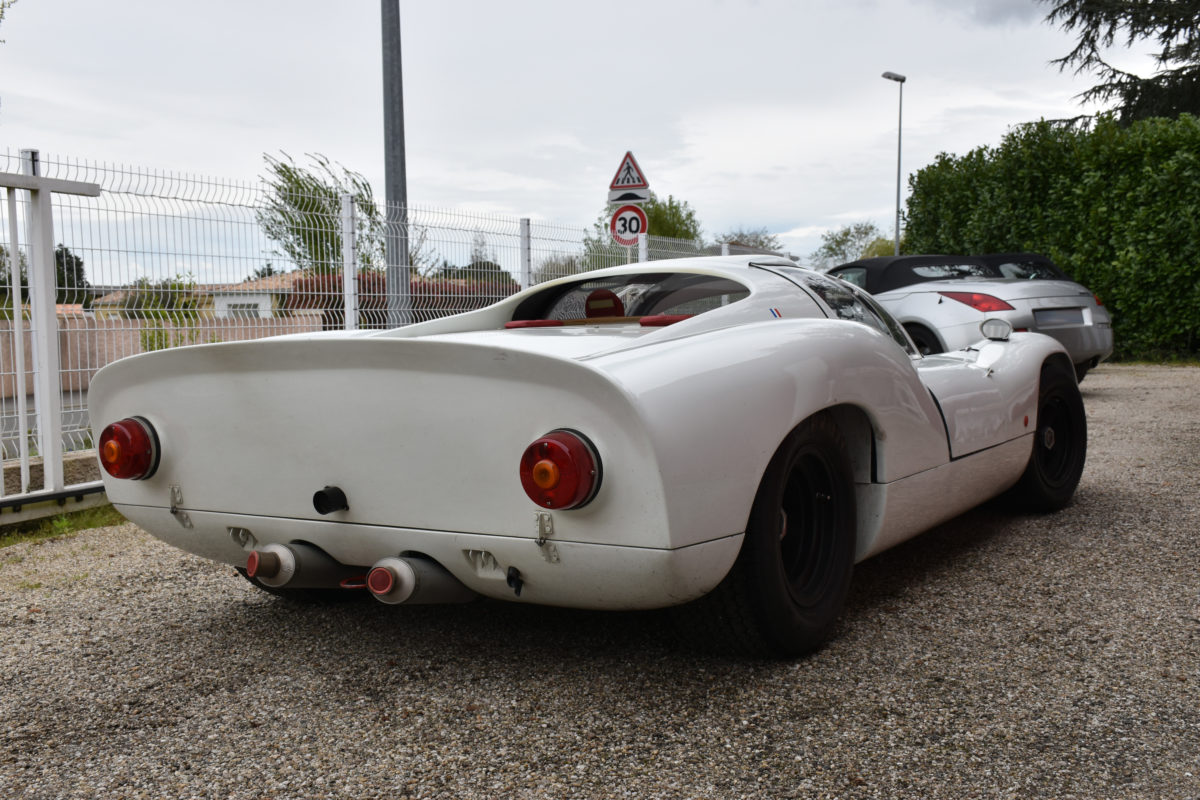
x=1118 y=208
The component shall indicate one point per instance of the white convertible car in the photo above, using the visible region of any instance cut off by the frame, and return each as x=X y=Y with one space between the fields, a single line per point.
x=733 y=434
x=940 y=300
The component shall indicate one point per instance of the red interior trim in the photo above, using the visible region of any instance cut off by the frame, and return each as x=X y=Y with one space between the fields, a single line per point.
x=534 y=323
x=659 y=320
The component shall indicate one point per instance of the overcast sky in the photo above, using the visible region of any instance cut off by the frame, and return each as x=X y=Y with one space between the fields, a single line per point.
x=759 y=113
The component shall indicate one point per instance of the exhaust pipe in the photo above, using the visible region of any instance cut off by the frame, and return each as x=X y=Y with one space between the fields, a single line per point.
x=298 y=566
x=408 y=579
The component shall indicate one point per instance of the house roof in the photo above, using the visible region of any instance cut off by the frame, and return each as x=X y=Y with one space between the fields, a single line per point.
x=271 y=284
x=279 y=282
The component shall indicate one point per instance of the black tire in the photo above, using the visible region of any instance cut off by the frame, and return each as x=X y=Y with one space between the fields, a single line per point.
x=1059 y=443
x=307 y=596
x=1081 y=370
x=789 y=584
x=926 y=340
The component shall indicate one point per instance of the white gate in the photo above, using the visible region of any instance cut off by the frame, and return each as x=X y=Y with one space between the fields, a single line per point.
x=34 y=434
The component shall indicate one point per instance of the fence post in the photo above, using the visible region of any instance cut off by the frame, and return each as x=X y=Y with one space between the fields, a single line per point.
x=724 y=248
x=526 y=255
x=349 y=284
x=47 y=390
x=18 y=330
x=643 y=247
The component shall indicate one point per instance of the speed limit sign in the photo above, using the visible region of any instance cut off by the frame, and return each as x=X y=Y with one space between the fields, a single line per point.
x=627 y=222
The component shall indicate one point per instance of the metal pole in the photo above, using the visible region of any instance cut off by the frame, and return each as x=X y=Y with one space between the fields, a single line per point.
x=47 y=392
x=18 y=323
x=399 y=300
x=349 y=267
x=899 y=133
x=900 y=79
x=526 y=254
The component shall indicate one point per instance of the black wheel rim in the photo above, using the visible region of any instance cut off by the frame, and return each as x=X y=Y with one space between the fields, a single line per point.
x=1056 y=440
x=808 y=518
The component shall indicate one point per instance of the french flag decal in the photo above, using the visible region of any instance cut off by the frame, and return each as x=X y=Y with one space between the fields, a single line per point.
x=775 y=313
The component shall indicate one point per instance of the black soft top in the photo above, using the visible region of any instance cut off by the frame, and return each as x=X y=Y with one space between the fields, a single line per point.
x=892 y=272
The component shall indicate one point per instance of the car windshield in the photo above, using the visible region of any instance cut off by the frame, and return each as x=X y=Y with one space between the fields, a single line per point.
x=629 y=298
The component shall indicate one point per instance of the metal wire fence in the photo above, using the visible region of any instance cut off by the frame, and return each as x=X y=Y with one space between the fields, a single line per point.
x=162 y=259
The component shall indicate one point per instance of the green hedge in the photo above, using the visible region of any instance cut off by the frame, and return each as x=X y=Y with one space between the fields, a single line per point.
x=1118 y=208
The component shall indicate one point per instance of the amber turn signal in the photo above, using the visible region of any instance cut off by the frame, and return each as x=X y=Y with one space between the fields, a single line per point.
x=546 y=474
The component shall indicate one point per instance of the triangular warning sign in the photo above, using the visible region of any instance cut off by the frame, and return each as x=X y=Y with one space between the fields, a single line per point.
x=629 y=175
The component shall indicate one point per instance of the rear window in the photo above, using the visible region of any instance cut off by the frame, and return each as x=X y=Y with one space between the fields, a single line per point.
x=937 y=272
x=629 y=298
x=1031 y=270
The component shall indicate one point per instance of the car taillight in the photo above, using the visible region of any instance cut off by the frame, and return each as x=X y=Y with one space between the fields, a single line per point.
x=129 y=449
x=1099 y=302
x=560 y=470
x=979 y=302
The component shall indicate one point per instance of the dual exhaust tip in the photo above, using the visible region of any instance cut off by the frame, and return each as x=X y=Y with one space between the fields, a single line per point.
x=392 y=580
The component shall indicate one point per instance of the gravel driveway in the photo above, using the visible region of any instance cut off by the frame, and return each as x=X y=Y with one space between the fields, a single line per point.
x=1000 y=655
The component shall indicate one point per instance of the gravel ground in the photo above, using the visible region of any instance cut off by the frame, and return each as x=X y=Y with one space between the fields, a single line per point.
x=1000 y=655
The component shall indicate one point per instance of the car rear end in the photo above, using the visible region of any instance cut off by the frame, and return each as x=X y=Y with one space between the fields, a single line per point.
x=366 y=449
x=1063 y=310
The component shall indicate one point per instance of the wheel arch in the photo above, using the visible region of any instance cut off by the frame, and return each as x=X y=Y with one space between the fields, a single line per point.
x=931 y=330
x=749 y=604
x=859 y=435
x=1059 y=361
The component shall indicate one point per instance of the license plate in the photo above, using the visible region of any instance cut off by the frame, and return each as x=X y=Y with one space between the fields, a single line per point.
x=1057 y=317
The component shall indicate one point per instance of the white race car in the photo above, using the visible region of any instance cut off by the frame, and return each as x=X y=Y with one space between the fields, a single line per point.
x=729 y=433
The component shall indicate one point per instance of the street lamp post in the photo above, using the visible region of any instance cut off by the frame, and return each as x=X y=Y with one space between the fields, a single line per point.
x=900 y=79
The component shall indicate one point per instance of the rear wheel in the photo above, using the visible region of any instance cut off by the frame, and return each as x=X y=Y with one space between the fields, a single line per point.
x=1059 y=443
x=789 y=584
x=926 y=340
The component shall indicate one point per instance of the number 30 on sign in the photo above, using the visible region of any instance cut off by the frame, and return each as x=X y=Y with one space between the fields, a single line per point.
x=627 y=222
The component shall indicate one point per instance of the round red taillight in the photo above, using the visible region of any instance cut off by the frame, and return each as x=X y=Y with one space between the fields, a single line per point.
x=560 y=470
x=129 y=449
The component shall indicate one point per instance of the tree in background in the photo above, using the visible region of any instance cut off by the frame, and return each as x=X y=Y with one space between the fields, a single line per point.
x=70 y=282
x=674 y=219
x=6 y=272
x=847 y=243
x=302 y=213
x=4 y=6
x=559 y=265
x=265 y=271
x=6 y=303
x=482 y=270
x=1173 y=89
x=69 y=276
x=882 y=246
x=167 y=299
x=1117 y=207
x=169 y=309
x=754 y=239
